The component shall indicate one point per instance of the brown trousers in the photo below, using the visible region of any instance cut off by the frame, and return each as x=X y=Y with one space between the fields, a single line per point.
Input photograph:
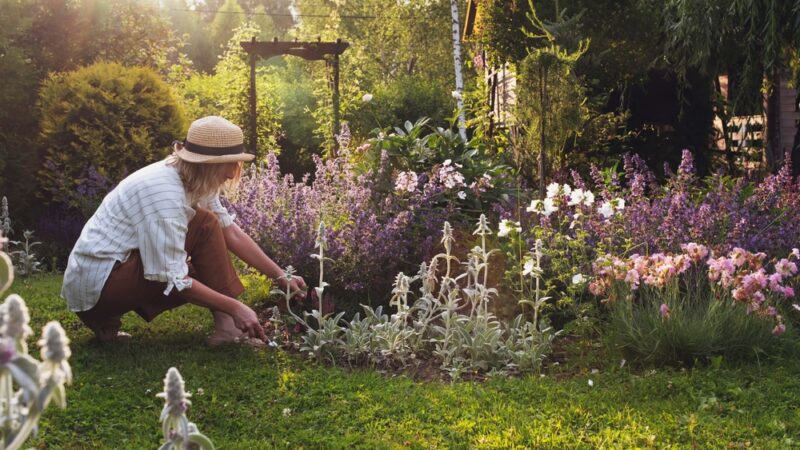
x=127 y=290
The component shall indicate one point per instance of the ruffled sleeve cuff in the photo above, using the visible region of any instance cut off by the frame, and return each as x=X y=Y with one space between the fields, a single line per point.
x=177 y=281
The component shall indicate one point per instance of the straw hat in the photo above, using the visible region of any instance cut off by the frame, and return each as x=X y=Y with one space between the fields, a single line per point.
x=212 y=140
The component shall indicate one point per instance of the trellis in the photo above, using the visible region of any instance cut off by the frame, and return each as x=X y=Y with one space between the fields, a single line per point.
x=311 y=51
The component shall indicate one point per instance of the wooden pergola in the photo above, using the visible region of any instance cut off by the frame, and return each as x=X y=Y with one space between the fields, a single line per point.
x=311 y=51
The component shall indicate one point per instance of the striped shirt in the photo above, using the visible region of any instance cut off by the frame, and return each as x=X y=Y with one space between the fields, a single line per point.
x=149 y=211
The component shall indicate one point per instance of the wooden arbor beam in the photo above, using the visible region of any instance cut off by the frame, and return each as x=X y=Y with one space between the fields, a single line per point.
x=311 y=51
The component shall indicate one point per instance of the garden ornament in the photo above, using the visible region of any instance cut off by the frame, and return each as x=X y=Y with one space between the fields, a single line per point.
x=212 y=140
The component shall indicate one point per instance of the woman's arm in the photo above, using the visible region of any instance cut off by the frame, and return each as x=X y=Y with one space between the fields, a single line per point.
x=248 y=251
x=244 y=317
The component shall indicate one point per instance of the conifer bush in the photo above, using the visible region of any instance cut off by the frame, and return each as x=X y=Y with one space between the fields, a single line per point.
x=107 y=117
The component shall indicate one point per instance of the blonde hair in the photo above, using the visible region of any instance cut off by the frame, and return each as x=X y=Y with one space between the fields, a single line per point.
x=204 y=180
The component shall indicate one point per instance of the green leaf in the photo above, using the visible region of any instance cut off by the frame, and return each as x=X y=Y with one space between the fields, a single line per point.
x=6 y=272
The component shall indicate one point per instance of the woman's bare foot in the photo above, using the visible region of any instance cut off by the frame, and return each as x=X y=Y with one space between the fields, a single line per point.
x=224 y=337
x=112 y=336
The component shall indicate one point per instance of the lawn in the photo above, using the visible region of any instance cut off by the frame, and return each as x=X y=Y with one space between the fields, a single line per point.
x=245 y=398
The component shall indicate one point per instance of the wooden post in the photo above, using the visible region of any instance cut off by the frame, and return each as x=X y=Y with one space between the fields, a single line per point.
x=253 y=120
x=336 y=101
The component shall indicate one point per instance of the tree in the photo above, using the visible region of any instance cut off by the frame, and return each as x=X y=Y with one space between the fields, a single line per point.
x=754 y=41
x=229 y=17
x=552 y=102
x=459 y=76
x=225 y=92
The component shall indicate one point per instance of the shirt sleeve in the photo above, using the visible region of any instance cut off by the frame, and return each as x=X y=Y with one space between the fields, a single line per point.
x=161 y=245
x=215 y=205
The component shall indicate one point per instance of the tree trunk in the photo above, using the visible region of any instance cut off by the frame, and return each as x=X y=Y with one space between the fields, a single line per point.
x=462 y=129
x=773 y=137
x=542 y=125
x=724 y=115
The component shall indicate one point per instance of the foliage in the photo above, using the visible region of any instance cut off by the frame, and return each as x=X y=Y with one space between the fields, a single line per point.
x=106 y=116
x=708 y=406
x=226 y=93
x=435 y=327
x=433 y=166
x=179 y=433
x=670 y=309
x=26 y=262
x=38 y=382
x=64 y=35
x=369 y=236
x=403 y=99
x=409 y=39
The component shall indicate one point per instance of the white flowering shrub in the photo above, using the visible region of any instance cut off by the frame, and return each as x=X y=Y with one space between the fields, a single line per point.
x=179 y=433
x=27 y=386
x=448 y=321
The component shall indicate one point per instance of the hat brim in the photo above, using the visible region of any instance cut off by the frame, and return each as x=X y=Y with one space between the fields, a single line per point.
x=186 y=155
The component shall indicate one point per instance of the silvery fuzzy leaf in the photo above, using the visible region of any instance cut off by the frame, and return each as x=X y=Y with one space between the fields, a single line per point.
x=200 y=440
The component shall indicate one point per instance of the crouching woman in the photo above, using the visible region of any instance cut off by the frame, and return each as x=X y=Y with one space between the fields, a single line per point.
x=161 y=239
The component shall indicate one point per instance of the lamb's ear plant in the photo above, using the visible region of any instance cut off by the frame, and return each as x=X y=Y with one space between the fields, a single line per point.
x=287 y=293
x=27 y=263
x=40 y=382
x=179 y=433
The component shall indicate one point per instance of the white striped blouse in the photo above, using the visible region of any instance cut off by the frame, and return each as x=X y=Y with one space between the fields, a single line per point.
x=149 y=211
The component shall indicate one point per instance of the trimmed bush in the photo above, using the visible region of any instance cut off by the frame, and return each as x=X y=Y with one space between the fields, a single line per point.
x=104 y=118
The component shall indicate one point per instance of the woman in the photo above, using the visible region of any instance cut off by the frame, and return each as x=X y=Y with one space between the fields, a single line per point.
x=161 y=239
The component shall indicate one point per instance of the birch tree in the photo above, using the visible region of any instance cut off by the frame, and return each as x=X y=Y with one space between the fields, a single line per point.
x=459 y=92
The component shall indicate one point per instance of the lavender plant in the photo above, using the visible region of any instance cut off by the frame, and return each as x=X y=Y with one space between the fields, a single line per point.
x=179 y=433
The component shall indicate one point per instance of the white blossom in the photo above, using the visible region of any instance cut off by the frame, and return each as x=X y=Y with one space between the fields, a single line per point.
x=462 y=195
x=506 y=226
x=552 y=190
x=606 y=210
x=588 y=198
x=578 y=279
x=366 y=98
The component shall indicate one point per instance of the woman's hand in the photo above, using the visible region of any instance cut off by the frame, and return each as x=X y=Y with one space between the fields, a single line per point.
x=297 y=286
x=246 y=320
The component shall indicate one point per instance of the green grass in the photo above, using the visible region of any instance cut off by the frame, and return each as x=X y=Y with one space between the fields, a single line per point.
x=112 y=403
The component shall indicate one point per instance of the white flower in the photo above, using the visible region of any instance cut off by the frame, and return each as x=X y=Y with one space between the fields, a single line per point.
x=606 y=210
x=462 y=195
x=447 y=162
x=549 y=207
x=796 y=306
x=578 y=279
x=591 y=383
x=588 y=198
x=552 y=190
x=535 y=206
x=506 y=226
x=287 y=412
x=576 y=197
x=619 y=203
x=456 y=95
x=545 y=207
x=527 y=268
x=366 y=98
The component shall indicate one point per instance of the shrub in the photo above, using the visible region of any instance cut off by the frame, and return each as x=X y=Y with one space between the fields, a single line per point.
x=111 y=118
x=678 y=308
x=398 y=101
x=371 y=237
